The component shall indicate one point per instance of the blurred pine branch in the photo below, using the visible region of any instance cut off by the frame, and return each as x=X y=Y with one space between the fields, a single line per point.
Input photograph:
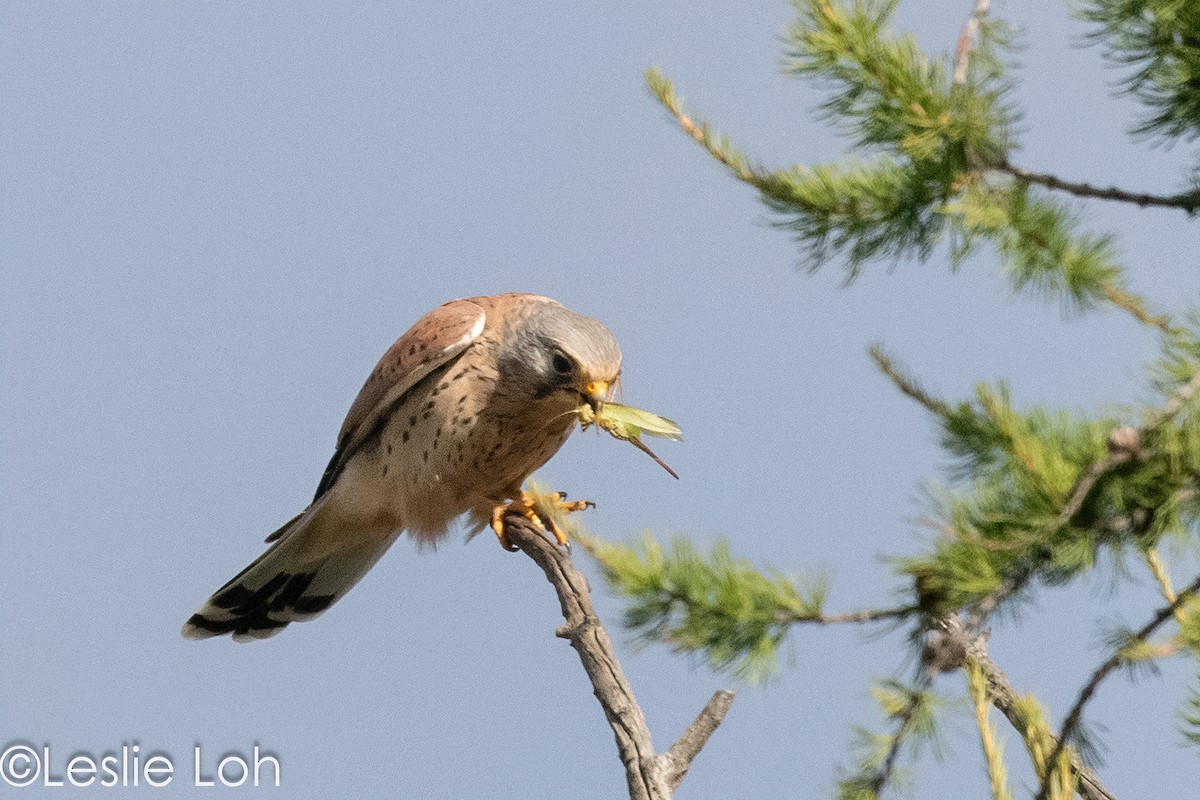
x=1033 y=496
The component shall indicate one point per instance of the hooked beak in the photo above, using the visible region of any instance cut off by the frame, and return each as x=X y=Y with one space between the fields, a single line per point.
x=595 y=393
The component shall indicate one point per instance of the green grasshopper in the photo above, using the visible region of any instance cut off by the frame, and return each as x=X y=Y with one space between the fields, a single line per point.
x=628 y=424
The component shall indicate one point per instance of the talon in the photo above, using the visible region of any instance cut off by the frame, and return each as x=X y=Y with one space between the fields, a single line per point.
x=541 y=510
x=560 y=535
x=498 y=526
x=558 y=506
x=526 y=506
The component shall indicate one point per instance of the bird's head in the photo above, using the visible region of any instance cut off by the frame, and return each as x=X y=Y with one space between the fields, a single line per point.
x=564 y=357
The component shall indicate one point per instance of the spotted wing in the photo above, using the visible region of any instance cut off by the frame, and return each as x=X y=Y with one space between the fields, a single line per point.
x=435 y=340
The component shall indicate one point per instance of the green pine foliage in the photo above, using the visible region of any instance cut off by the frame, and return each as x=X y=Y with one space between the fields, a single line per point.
x=911 y=712
x=1159 y=42
x=1032 y=496
x=929 y=163
x=1038 y=239
x=887 y=95
x=1190 y=717
x=707 y=602
x=1016 y=471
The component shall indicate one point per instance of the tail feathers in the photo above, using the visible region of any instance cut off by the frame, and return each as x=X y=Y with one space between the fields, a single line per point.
x=287 y=584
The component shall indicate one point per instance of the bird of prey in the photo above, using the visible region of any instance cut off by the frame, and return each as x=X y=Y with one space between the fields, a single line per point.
x=459 y=411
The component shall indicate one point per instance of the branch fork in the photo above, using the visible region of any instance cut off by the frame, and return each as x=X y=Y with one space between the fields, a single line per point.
x=649 y=775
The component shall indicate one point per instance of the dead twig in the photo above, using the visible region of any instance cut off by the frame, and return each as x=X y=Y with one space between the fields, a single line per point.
x=966 y=40
x=649 y=775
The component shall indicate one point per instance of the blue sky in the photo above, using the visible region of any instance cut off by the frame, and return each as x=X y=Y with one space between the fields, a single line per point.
x=214 y=218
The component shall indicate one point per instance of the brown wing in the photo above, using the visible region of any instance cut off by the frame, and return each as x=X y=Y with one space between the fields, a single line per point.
x=436 y=339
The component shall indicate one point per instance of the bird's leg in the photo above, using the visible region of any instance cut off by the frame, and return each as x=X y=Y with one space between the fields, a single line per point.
x=544 y=510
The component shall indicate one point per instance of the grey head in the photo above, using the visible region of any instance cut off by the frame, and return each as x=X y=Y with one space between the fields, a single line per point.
x=562 y=355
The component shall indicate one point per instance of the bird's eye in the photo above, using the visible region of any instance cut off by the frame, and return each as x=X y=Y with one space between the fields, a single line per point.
x=562 y=365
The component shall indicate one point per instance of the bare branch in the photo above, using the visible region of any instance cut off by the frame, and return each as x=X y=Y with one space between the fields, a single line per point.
x=966 y=40
x=1188 y=201
x=1004 y=698
x=585 y=633
x=649 y=776
x=1071 y=723
x=679 y=757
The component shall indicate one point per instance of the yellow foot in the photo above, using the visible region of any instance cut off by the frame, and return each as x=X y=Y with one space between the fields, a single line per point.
x=543 y=510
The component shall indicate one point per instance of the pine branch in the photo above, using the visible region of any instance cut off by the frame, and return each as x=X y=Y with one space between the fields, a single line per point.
x=1135 y=306
x=907 y=384
x=1175 y=403
x=993 y=751
x=1188 y=201
x=649 y=776
x=908 y=709
x=906 y=717
x=1004 y=697
x=1019 y=578
x=1071 y=723
x=719 y=148
x=1124 y=444
x=712 y=602
x=1158 y=41
x=852 y=617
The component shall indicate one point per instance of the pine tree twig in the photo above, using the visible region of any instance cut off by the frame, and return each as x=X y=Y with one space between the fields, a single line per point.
x=1014 y=582
x=966 y=40
x=1004 y=697
x=1125 y=444
x=850 y=617
x=856 y=617
x=906 y=717
x=1174 y=404
x=1188 y=201
x=889 y=762
x=992 y=751
x=1019 y=578
x=1115 y=458
x=649 y=776
x=1163 y=578
x=1071 y=723
x=700 y=132
x=1135 y=306
x=907 y=384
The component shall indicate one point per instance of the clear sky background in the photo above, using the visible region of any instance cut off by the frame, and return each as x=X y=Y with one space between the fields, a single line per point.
x=215 y=217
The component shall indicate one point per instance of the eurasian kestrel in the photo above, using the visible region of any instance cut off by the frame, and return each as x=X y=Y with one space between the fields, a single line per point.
x=456 y=415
